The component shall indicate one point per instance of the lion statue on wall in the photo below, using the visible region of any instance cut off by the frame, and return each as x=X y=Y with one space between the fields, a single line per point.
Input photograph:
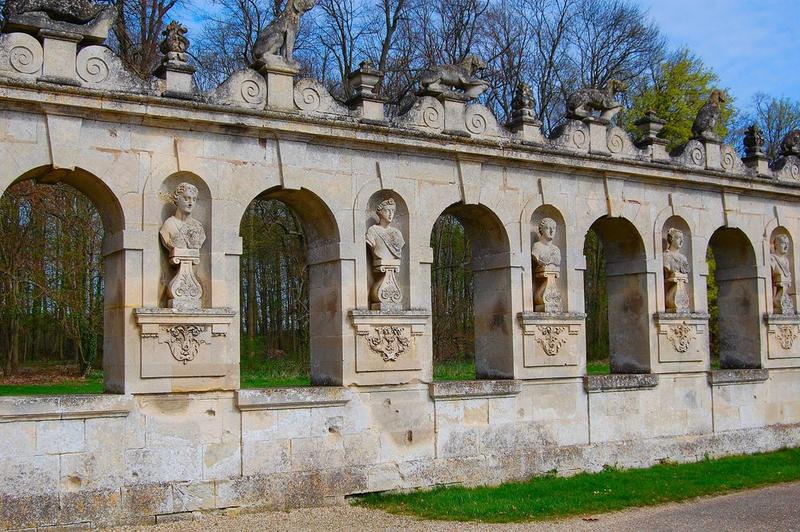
x=581 y=103
x=456 y=78
x=275 y=43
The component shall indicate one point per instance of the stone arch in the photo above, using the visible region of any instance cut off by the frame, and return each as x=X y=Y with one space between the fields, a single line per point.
x=325 y=276
x=401 y=222
x=492 y=297
x=736 y=275
x=628 y=312
x=561 y=240
x=112 y=215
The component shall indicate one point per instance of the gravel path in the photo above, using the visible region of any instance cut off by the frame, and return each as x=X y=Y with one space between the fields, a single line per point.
x=769 y=509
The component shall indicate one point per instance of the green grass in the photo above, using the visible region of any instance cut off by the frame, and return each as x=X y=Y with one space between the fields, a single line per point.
x=93 y=383
x=275 y=373
x=613 y=489
x=454 y=370
x=598 y=367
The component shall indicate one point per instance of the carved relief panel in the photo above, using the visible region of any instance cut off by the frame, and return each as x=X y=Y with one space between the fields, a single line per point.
x=552 y=346
x=388 y=341
x=783 y=336
x=683 y=338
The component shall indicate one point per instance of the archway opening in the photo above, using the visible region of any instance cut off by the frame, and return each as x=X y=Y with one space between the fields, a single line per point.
x=289 y=292
x=471 y=295
x=735 y=338
x=52 y=302
x=615 y=288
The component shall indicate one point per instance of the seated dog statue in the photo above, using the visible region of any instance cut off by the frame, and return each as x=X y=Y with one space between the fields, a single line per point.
x=275 y=43
x=582 y=102
x=460 y=78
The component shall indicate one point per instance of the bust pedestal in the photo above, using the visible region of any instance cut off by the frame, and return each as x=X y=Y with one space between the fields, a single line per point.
x=552 y=345
x=184 y=292
x=783 y=339
x=781 y=300
x=676 y=296
x=385 y=293
x=547 y=297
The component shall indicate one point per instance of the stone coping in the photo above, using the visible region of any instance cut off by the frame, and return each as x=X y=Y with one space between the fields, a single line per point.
x=619 y=382
x=721 y=377
x=473 y=389
x=44 y=408
x=782 y=318
x=409 y=313
x=681 y=316
x=194 y=313
x=283 y=398
x=551 y=316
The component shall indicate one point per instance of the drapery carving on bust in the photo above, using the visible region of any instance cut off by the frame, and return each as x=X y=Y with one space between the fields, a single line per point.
x=781 y=275
x=183 y=236
x=386 y=246
x=547 y=267
x=676 y=273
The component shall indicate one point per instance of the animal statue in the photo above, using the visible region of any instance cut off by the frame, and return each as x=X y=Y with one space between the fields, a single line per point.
x=582 y=102
x=275 y=43
x=455 y=78
x=72 y=11
x=790 y=145
x=708 y=116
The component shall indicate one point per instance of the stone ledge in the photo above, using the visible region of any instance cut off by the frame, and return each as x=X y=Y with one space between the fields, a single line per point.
x=44 y=408
x=282 y=398
x=619 y=381
x=473 y=389
x=736 y=376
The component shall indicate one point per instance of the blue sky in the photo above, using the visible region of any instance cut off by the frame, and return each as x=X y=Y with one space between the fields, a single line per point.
x=753 y=46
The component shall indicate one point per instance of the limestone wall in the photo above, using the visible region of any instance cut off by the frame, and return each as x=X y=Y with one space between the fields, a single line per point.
x=138 y=459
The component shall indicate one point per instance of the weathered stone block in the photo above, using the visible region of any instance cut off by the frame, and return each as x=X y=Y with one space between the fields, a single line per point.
x=55 y=437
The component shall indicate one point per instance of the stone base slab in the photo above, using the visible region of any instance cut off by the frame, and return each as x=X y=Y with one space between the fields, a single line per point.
x=147 y=504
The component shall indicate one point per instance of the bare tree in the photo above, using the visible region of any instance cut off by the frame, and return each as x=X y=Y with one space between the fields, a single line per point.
x=137 y=33
x=775 y=116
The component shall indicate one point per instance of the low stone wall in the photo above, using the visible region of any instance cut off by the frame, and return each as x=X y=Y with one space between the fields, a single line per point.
x=101 y=460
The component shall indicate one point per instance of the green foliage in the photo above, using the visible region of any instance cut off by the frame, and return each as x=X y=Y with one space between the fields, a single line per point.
x=680 y=86
x=598 y=367
x=713 y=307
x=613 y=489
x=596 y=295
x=454 y=370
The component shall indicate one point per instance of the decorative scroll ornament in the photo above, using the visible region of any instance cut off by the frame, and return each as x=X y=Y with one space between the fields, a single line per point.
x=551 y=338
x=681 y=336
x=786 y=335
x=184 y=341
x=389 y=342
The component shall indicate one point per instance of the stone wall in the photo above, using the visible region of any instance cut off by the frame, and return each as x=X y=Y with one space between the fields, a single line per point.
x=151 y=458
x=175 y=434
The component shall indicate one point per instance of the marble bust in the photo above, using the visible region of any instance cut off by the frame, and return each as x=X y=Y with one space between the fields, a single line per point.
x=674 y=260
x=781 y=275
x=544 y=252
x=676 y=273
x=546 y=258
x=386 y=247
x=183 y=236
x=181 y=230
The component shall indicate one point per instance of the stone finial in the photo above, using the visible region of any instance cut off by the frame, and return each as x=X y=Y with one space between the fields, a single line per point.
x=175 y=44
x=781 y=269
x=523 y=102
x=459 y=80
x=753 y=141
x=582 y=102
x=790 y=145
x=183 y=236
x=363 y=81
x=708 y=116
x=274 y=46
x=650 y=125
x=89 y=21
x=386 y=246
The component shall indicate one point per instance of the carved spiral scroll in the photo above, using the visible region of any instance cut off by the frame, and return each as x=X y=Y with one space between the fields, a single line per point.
x=25 y=54
x=696 y=155
x=251 y=91
x=476 y=123
x=93 y=70
x=307 y=98
x=794 y=171
x=728 y=159
x=615 y=142
x=579 y=138
x=431 y=117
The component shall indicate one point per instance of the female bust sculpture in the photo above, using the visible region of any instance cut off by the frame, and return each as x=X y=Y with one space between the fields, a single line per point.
x=781 y=275
x=674 y=260
x=386 y=246
x=385 y=242
x=544 y=252
x=181 y=231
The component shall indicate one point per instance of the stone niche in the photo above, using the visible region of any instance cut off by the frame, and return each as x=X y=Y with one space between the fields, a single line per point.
x=683 y=340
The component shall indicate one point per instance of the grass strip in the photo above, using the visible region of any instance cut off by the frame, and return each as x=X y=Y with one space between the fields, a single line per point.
x=610 y=490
